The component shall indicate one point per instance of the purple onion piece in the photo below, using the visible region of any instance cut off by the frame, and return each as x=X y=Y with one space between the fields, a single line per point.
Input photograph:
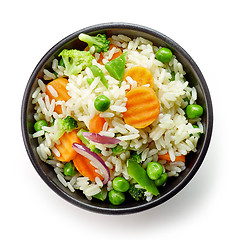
x=95 y=159
x=95 y=137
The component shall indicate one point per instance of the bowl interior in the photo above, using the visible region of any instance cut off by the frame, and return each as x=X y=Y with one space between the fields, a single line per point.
x=193 y=161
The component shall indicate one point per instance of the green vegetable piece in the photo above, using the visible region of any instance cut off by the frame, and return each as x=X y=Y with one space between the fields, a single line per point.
x=61 y=63
x=164 y=55
x=90 y=80
x=120 y=184
x=102 y=103
x=194 y=111
x=102 y=195
x=51 y=156
x=136 y=193
x=115 y=197
x=118 y=149
x=94 y=149
x=75 y=61
x=162 y=180
x=68 y=124
x=116 y=67
x=69 y=169
x=65 y=125
x=39 y=124
x=86 y=142
x=154 y=170
x=172 y=76
x=141 y=177
x=186 y=100
x=83 y=139
x=56 y=74
x=97 y=72
x=135 y=157
x=100 y=42
x=195 y=126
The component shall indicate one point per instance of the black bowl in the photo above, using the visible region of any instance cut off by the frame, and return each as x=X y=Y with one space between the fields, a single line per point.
x=194 y=160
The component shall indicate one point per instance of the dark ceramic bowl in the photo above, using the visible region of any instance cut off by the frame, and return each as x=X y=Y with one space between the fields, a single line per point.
x=194 y=160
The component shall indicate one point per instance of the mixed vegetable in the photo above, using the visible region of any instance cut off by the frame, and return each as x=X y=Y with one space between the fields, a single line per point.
x=76 y=145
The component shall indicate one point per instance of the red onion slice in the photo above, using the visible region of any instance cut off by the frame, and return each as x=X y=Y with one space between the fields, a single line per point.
x=95 y=159
x=95 y=137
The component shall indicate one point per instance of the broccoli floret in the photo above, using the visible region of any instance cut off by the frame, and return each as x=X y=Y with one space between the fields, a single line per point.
x=65 y=125
x=135 y=157
x=75 y=61
x=136 y=193
x=100 y=42
x=69 y=124
x=118 y=149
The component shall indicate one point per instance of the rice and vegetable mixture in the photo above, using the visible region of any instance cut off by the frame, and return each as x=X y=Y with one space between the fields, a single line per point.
x=117 y=119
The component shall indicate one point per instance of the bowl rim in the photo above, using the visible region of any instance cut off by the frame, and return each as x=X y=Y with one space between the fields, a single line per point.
x=146 y=205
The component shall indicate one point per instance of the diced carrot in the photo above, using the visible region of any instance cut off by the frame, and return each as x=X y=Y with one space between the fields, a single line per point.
x=143 y=107
x=115 y=55
x=59 y=85
x=141 y=75
x=166 y=157
x=67 y=153
x=83 y=165
x=96 y=124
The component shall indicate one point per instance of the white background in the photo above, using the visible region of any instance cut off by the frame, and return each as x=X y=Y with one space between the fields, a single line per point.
x=205 y=208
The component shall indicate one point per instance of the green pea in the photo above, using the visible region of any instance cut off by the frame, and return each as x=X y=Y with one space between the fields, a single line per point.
x=102 y=103
x=115 y=197
x=154 y=170
x=194 y=111
x=162 y=180
x=69 y=169
x=39 y=124
x=120 y=184
x=164 y=55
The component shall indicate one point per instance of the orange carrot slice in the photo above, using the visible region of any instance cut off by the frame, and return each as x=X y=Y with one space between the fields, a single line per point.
x=67 y=153
x=96 y=124
x=166 y=157
x=141 y=75
x=83 y=165
x=59 y=86
x=143 y=107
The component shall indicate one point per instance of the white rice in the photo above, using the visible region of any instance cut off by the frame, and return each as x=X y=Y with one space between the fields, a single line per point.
x=171 y=133
x=48 y=75
x=38 y=134
x=62 y=180
x=98 y=182
x=56 y=152
x=52 y=91
x=41 y=85
x=128 y=137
